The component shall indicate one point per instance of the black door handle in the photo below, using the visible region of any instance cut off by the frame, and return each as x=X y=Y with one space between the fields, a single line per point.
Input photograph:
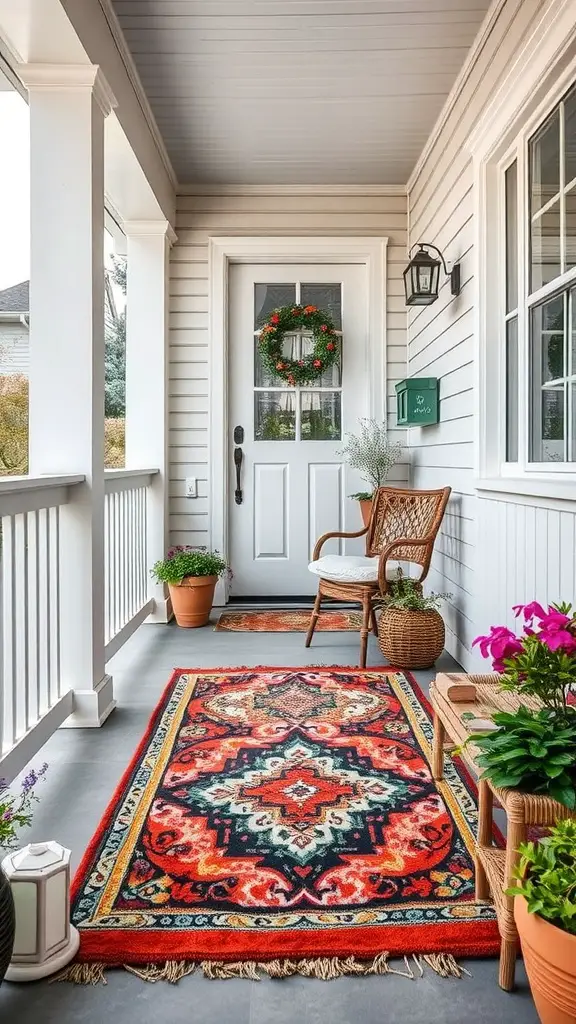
x=238 y=456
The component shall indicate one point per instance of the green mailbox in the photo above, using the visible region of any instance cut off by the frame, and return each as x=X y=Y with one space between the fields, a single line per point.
x=417 y=401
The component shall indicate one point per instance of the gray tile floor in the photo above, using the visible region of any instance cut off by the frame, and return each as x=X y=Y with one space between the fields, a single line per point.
x=85 y=766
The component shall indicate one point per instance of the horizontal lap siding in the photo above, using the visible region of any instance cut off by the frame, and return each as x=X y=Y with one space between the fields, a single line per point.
x=485 y=554
x=199 y=218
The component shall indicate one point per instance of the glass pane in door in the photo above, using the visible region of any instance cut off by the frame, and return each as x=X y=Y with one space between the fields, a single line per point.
x=274 y=416
x=268 y=297
x=320 y=416
x=327 y=297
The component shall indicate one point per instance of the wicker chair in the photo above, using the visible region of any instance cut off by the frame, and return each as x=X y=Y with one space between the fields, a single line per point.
x=402 y=528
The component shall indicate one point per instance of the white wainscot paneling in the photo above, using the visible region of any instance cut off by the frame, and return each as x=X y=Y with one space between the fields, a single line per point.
x=526 y=553
x=271 y=483
x=325 y=482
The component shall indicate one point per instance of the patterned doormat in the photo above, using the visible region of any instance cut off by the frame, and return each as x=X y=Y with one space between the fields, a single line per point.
x=283 y=820
x=296 y=621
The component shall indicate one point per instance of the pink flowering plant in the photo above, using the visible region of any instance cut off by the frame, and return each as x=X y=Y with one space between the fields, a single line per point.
x=534 y=750
x=541 y=662
x=16 y=809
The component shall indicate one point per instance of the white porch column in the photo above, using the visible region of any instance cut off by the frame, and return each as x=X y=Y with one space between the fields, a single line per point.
x=68 y=104
x=147 y=301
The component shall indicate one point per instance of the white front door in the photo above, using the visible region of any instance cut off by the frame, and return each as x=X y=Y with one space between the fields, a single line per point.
x=294 y=484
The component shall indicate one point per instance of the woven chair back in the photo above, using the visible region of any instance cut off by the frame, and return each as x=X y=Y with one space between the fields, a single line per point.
x=399 y=513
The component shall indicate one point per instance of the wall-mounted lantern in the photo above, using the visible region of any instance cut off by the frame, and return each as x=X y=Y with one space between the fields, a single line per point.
x=422 y=276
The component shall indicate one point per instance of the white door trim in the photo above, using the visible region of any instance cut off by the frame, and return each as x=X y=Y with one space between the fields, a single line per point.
x=222 y=251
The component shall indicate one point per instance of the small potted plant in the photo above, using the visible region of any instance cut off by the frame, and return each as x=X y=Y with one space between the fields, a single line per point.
x=15 y=813
x=545 y=915
x=370 y=452
x=411 y=629
x=534 y=748
x=191 y=575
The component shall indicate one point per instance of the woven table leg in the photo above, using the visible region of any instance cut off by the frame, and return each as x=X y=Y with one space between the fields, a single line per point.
x=516 y=834
x=438 y=749
x=485 y=826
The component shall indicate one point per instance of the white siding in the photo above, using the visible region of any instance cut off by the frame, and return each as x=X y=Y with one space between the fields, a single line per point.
x=198 y=218
x=485 y=555
x=14 y=348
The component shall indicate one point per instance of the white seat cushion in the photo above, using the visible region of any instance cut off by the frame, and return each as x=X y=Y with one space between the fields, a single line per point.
x=351 y=568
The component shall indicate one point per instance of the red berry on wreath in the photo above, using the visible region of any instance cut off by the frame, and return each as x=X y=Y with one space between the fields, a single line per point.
x=279 y=366
x=275 y=319
x=310 y=309
x=323 y=327
x=330 y=346
x=291 y=380
x=317 y=364
x=300 y=362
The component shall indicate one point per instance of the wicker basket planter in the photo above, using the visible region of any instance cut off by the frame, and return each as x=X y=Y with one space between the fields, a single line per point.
x=411 y=639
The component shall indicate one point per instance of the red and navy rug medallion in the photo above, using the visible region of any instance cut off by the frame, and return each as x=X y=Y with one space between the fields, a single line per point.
x=284 y=815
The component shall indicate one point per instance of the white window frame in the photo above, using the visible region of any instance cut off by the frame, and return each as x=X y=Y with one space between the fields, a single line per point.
x=544 y=72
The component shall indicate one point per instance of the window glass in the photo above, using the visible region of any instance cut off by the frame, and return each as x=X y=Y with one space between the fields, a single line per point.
x=511 y=186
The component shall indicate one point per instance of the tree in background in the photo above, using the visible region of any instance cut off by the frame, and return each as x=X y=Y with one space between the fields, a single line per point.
x=115 y=340
x=13 y=425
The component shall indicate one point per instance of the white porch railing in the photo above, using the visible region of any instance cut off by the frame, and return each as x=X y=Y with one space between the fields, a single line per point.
x=126 y=541
x=32 y=703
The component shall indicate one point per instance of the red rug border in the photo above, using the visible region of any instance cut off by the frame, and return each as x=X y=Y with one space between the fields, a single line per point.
x=110 y=947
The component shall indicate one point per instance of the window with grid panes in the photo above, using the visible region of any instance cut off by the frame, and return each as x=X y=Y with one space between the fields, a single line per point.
x=540 y=314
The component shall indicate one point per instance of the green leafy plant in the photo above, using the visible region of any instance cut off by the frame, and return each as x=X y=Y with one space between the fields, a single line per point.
x=186 y=561
x=546 y=876
x=534 y=751
x=16 y=810
x=372 y=453
x=405 y=592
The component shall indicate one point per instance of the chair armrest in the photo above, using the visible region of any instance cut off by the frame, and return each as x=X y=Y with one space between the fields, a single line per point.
x=328 y=536
x=401 y=542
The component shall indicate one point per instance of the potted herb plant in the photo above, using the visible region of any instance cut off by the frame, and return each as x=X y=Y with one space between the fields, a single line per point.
x=545 y=915
x=411 y=629
x=191 y=575
x=534 y=749
x=15 y=813
x=373 y=454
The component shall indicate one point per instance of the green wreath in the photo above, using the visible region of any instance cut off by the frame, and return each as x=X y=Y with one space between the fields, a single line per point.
x=286 y=320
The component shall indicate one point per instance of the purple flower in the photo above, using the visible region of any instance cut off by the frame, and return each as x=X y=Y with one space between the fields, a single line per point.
x=558 y=640
x=531 y=611
x=7 y=816
x=500 y=644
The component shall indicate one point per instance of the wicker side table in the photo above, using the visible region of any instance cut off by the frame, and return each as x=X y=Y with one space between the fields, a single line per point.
x=494 y=867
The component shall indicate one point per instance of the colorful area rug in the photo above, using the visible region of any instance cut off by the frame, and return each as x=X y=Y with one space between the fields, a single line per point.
x=283 y=820
x=287 y=622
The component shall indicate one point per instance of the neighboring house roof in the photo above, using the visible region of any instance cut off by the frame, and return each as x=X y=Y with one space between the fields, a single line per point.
x=16 y=299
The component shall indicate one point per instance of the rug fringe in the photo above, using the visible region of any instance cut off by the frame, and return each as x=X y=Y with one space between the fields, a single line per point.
x=82 y=974
x=322 y=968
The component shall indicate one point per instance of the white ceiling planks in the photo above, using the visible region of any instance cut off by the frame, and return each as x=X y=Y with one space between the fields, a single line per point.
x=282 y=92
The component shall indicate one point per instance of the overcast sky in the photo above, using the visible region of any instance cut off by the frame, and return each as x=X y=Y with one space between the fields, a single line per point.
x=14 y=190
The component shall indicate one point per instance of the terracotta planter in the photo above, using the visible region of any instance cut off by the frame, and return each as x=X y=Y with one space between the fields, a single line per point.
x=411 y=639
x=192 y=600
x=365 y=510
x=550 y=960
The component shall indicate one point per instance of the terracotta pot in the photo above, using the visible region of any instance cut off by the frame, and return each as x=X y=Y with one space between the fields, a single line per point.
x=411 y=639
x=550 y=960
x=192 y=600
x=365 y=510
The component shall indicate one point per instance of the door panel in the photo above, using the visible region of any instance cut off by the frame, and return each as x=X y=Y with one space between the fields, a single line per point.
x=271 y=501
x=294 y=483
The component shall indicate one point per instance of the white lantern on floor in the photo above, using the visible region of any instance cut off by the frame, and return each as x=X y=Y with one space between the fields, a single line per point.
x=45 y=941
